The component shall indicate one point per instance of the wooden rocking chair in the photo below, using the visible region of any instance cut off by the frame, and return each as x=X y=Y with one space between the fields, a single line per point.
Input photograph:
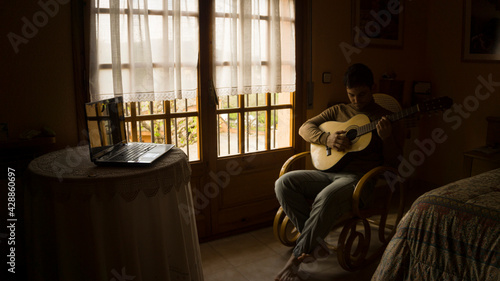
x=354 y=248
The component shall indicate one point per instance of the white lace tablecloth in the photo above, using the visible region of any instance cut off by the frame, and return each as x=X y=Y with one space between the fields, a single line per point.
x=87 y=222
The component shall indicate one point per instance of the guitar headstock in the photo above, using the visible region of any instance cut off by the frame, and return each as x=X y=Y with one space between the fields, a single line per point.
x=437 y=104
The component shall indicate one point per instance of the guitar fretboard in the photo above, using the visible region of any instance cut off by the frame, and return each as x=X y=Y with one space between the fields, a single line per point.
x=393 y=117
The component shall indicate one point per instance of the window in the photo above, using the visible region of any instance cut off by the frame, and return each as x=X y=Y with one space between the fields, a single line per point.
x=174 y=122
x=254 y=59
x=255 y=122
x=142 y=54
x=149 y=53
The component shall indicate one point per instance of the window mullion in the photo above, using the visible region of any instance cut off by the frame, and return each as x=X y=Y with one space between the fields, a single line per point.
x=175 y=130
x=241 y=124
x=187 y=136
x=168 y=122
x=152 y=123
x=152 y=129
x=229 y=133
x=133 y=122
x=268 y=121
x=218 y=134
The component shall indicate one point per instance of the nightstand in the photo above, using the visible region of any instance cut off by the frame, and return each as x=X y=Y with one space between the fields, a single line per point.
x=485 y=158
x=476 y=162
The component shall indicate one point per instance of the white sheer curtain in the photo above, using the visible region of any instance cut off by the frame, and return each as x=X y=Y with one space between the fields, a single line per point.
x=144 y=50
x=254 y=46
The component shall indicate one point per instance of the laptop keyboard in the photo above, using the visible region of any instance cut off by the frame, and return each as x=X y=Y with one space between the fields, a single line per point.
x=132 y=153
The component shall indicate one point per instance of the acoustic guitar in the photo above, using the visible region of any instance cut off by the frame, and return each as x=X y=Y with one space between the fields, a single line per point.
x=359 y=132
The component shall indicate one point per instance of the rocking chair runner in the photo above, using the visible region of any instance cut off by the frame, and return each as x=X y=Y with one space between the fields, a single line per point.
x=353 y=248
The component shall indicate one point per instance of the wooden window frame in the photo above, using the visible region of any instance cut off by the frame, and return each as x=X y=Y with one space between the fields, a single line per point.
x=242 y=109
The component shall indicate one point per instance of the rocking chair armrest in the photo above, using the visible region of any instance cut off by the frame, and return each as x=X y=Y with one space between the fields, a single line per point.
x=373 y=173
x=286 y=166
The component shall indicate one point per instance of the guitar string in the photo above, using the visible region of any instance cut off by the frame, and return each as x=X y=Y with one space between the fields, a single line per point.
x=393 y=117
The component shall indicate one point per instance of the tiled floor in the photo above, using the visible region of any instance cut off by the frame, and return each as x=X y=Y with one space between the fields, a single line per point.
x=258 y=256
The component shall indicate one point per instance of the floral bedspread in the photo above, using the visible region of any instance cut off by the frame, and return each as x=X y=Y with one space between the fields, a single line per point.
x=450 y=233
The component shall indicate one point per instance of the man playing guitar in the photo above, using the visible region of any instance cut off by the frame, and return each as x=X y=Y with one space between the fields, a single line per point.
x=331 y=190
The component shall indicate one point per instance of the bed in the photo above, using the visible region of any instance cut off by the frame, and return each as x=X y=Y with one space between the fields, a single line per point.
x=449 y=233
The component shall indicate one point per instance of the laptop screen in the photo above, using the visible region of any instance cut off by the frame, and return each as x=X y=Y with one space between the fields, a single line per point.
x=105 y=125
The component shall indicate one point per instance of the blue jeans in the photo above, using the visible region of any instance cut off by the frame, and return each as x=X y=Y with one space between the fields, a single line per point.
x=332 y=197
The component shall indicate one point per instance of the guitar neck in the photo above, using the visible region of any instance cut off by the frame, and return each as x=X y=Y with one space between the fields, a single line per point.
x=393 y=117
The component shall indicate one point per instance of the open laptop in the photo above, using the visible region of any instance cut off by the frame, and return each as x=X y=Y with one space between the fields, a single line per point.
x=108 y=138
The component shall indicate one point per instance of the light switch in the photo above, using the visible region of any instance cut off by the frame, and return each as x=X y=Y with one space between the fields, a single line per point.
x=327 y=77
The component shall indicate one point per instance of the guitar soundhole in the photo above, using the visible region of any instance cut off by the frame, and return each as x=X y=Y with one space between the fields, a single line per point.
x=352 y=134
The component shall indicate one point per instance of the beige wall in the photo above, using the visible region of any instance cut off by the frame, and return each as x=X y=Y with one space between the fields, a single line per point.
x=431 y=52
x=459 y=80
x=332 y=27
x=37 y=81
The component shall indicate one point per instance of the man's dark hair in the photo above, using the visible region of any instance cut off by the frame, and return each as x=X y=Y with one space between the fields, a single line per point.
x=358 y=75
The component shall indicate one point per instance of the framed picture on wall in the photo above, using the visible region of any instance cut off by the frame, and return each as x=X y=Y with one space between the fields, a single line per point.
x=377 y=23
x=481 y=31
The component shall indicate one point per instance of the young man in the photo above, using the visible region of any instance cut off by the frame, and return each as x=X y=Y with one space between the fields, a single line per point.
x=332 y=190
